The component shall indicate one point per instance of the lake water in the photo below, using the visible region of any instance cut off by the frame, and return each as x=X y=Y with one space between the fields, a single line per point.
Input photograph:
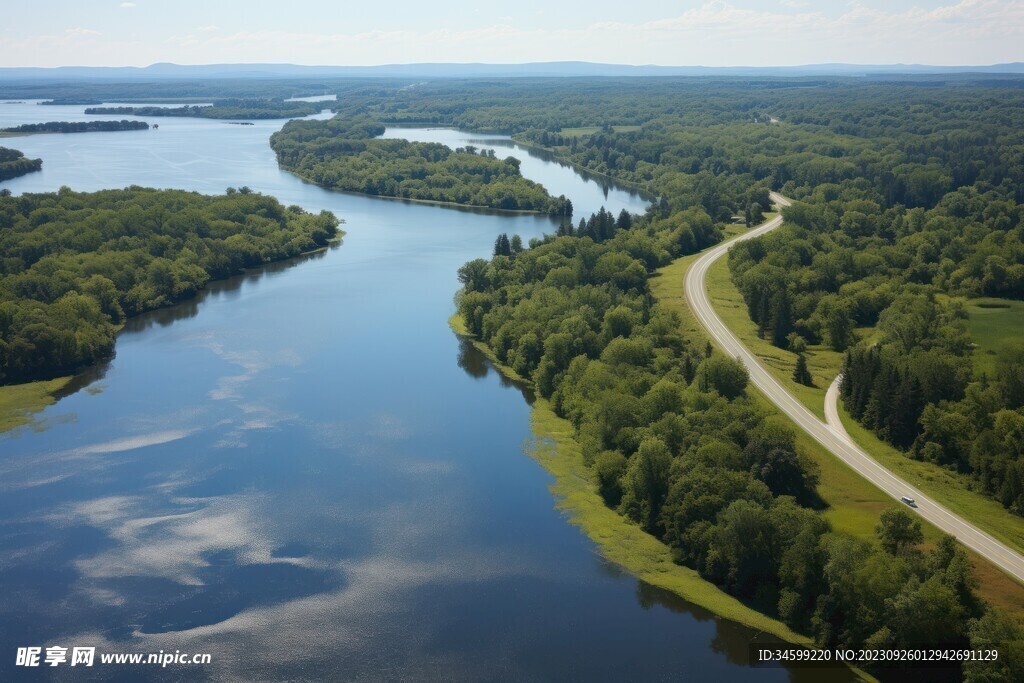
x=304 y=472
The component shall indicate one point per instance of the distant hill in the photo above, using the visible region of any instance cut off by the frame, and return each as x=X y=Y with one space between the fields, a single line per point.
x=534 y=69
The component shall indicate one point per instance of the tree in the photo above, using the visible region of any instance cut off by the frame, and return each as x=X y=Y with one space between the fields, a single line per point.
x=645 y=484
x=801 y=577
x=747 y=551
x=502 y=245
x=898 y=531
x=783 y=473
x=624 y=221
x=473 y=275
x=609 y=466
x=754 y=214
x=837 y=324
x=1010 y=374
x=782 y=318
x=801 y=375
x=927 y=613
x=996 y=630
x=725 y=375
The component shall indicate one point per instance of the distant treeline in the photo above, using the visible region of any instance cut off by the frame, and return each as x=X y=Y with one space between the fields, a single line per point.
x=221 y=109
x=182 y=91
x=75 y=265
x=13 y=163
x=71 y=100
x=76 y=127
x=345 y=153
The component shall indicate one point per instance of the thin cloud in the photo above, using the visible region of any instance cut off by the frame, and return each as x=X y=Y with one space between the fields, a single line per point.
x=79 y=32
x=712 y=33
x=716 y=33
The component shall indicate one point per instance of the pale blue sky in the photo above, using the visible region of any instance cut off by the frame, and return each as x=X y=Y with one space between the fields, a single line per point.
x=340 y=32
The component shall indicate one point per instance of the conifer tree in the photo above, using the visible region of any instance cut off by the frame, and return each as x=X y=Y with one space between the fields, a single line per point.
x=801 y=375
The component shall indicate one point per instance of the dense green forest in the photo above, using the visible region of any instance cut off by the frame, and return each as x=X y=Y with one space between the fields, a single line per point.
x=75 y=265
x=13 y=163
x=854 y=256
x=678 y=445
x=910 y=144
x=346 y=154
x=221 y=109
x=76 y=127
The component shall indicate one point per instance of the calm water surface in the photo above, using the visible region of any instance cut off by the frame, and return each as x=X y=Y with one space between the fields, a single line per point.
x=304 y=472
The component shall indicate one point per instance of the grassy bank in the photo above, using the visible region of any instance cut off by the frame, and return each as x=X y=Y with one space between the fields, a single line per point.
x=18 y=402
x=590 y=130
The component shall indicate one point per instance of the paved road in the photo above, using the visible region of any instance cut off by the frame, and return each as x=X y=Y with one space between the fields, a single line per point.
x=831 y=435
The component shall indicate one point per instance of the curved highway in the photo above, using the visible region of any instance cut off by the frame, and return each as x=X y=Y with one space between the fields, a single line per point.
x=831 y=435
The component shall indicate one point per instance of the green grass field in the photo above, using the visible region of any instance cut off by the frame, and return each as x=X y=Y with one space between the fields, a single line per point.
x=992 y=323
x=590 y=130
x=19 y=401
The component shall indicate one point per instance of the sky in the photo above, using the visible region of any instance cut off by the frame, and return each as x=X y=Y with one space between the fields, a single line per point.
x=368 y=32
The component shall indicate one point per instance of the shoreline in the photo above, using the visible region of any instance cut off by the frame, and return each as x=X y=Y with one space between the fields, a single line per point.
x=434 y=202
x=643 y=556
x=583 y=170
x=19 y=402
x=19 y=134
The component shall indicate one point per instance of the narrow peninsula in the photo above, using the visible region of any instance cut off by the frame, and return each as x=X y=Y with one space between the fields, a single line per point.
x=221 y=109
x=14 y=163
x=348 y=154
x=74 y=127
x=77 y=264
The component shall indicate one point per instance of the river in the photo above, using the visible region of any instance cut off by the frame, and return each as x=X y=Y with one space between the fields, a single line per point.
x=304 y=472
